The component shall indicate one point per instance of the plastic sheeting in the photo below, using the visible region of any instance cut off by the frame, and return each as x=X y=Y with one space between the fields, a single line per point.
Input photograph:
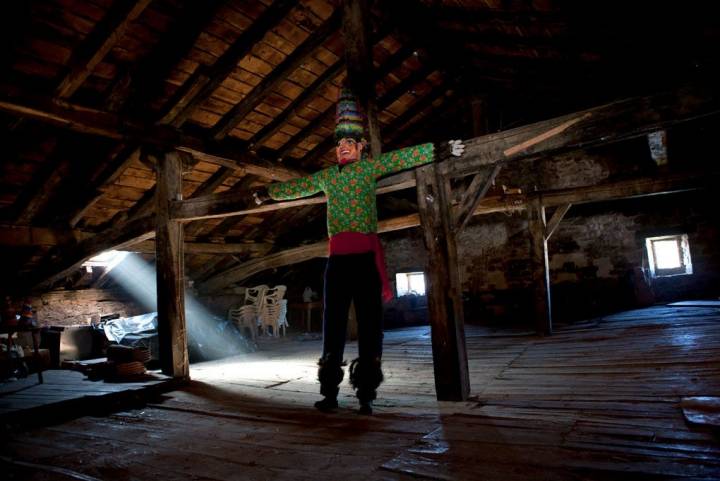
x=117 y=329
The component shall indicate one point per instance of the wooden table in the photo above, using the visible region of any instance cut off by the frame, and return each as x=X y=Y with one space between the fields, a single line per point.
x=307 y=308
x=35 y=331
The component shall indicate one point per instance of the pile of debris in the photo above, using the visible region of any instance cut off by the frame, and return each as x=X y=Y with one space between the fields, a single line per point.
x=123 y=363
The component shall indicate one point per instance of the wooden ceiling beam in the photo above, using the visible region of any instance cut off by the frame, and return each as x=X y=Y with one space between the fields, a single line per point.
x=388 y=66
x=601 y=125
x=324 y=117
x=108 y=125
x=227 y=204
x=44 y=183
x=135 y=88
x=359 y=65
x=614 y=122
x=20 y=236
x=246 y=248
x=277 y=259
x=385 y=101
x=297 y=104
x=509 y=16
x=396 y=125
x=279 y=74
x=201 y=85
x=85 y=120
x=121 y=160
x=138 y=85
x=99 y=42
x=242 y=162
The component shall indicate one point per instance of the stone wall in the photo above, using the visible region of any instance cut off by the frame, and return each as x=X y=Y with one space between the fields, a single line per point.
x=78 y=308
x=597 y=255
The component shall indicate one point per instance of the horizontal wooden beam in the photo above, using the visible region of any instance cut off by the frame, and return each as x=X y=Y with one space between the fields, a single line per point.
x=239 y=203
x=601 y=125
x=319 y=249
x=627 y=189
x=249 y=248
x=246 y=164
x=488 y=205
x=227 y=204
x=272 y=261
x=96 y=122
x=70 y=258
x=85 y=120
x=22 y=236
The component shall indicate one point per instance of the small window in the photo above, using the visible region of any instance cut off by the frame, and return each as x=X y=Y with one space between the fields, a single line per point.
x=410 y=283
x=669 y=255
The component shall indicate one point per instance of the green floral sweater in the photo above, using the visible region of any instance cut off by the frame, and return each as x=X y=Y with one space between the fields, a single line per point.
x=351 y=190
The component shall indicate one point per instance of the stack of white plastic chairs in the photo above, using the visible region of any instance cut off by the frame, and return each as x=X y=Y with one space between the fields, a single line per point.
x=274 y=311
x=249 y=314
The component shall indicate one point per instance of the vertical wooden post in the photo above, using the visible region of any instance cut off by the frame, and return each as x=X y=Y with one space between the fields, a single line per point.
x=452 y=382
x=358 y=56
x=540 y=267
x=169 y=254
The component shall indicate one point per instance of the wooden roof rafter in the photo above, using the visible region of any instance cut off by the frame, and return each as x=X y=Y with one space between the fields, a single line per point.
x=392 y=95
x=238 y=112
x=103 y=38
x=201 y=85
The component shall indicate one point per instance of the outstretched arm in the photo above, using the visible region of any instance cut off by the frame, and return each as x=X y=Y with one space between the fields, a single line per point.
x=415 y=156
x=292 y=189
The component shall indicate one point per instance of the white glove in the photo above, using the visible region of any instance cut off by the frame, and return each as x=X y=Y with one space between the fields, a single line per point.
x=456 y=147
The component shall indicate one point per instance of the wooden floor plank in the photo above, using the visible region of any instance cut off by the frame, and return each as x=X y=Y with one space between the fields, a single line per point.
x=599 y=400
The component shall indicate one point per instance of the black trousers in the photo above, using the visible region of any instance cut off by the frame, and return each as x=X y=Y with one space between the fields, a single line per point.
x=352 y=277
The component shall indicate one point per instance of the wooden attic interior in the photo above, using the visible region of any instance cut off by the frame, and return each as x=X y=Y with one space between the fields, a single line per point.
x=127 y=121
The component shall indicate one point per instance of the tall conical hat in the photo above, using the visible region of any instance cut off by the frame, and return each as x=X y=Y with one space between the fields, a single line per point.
x=349 y=118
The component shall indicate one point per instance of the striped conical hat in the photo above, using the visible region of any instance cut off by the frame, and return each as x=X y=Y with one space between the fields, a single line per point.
x=349 y=119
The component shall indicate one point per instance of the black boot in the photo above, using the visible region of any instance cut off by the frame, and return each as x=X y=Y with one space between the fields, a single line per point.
x=365 y=408
x=330 y=374
x=326 y=405
x=365 y=377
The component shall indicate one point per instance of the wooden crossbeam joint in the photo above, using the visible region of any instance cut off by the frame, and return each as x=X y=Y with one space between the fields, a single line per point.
x=474 y=195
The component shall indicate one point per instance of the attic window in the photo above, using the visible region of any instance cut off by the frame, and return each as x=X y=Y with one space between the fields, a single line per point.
x=107 y=259
x=669 y=255
x=410 y=283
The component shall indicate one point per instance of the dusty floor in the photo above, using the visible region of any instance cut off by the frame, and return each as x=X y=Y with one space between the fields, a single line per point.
x=600 y=400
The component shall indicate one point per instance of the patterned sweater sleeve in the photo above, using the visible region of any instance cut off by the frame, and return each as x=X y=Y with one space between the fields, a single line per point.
x=297 y=188
x=402 y=159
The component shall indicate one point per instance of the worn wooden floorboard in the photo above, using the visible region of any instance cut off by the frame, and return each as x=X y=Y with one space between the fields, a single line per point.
x=599 y=400
x=26 y=397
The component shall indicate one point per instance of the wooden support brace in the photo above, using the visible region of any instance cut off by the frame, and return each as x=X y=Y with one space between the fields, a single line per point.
x=452 y=382
x=555 y=220
x=474 y=194
x=169 y=254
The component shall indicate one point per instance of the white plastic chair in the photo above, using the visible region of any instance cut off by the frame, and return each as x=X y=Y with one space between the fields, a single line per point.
x=248 y=314
x=274 y=311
